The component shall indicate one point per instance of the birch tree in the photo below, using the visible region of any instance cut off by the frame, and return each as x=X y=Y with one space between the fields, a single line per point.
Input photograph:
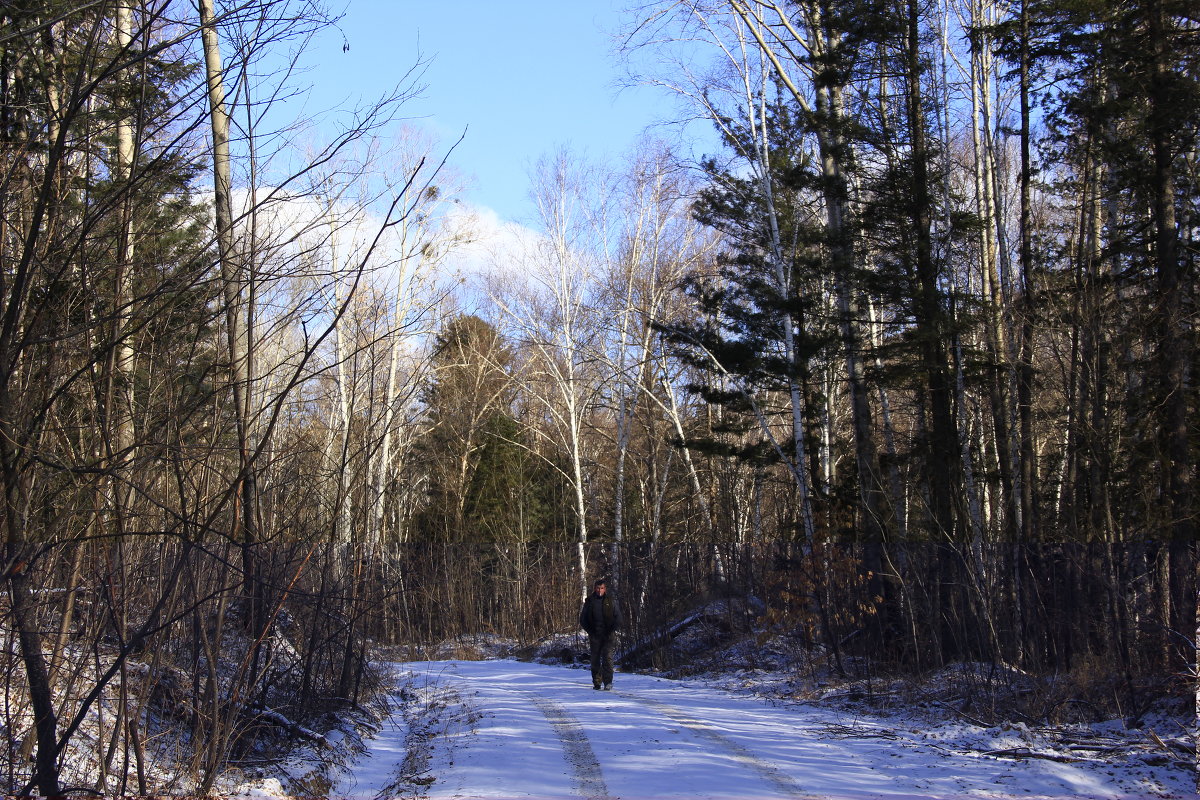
x=551 y=316
x=656 y=243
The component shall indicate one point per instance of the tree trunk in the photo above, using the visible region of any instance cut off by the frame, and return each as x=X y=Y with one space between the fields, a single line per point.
x=41 y=693
x=943 y=446
x=121 y=409
x=1030 y=524
x=991 y=252
x=1178 y=479
x=233 y=286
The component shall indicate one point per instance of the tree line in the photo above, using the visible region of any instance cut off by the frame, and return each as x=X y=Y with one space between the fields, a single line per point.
x=908 y=358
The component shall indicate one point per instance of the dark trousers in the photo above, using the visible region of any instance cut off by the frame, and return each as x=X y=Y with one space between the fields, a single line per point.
x=602 y=667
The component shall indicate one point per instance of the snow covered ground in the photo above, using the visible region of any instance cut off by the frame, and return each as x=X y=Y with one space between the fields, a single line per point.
x=509 y=729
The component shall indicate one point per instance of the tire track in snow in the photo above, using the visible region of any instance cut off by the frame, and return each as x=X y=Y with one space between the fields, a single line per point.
x=766 y=770
x=589 y=779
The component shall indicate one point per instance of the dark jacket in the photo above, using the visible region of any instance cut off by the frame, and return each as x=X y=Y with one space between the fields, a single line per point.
x=598 y=616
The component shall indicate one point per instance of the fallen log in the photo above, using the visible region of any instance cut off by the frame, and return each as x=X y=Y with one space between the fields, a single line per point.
x=280 y=721
x=720 y=613
x=1025 y=752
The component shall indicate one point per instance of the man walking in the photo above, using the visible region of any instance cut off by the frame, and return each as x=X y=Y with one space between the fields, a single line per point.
x=599 y=619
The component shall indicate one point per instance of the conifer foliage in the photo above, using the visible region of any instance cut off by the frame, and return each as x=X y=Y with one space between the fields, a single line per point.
x=952 y=309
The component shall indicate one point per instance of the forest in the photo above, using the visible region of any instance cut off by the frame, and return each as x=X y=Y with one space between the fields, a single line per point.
x=910 y=359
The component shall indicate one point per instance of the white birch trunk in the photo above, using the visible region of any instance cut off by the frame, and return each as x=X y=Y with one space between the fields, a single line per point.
x=784 y=286
x=344 y=387
x=126 y=153
x=382 y=465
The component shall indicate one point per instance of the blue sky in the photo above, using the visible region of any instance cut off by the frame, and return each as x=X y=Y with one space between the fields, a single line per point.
x=522 y=77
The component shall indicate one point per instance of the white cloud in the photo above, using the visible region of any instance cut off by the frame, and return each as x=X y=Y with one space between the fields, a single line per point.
x=490 y=249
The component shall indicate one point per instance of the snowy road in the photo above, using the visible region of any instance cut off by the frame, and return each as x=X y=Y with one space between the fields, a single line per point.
x=506 y=729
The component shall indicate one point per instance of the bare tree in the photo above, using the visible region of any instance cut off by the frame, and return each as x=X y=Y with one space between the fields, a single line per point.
x=551 y=317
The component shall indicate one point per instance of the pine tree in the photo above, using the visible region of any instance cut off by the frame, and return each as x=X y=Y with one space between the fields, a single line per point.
x=483 y=477
x=762 y=332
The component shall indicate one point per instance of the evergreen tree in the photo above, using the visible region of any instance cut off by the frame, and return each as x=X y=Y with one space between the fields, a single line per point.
x=763 y=329
x=1124 y=128
x=483 y=478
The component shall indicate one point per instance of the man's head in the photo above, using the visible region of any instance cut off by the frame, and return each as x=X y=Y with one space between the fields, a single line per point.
x=600 y=587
